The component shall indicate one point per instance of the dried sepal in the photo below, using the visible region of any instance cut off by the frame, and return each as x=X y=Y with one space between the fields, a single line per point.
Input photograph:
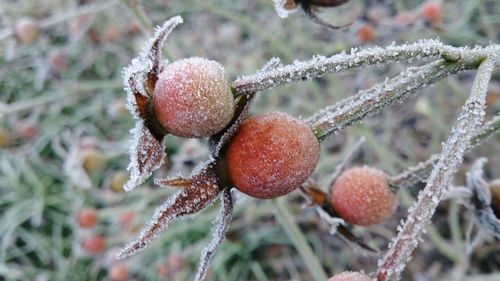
x=197 y=193
x=319 y=199
x=146 y=153
x=485 y=217
x=309 y=10
x=223 y=221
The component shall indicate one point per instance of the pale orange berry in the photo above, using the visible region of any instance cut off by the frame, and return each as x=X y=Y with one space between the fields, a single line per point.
x=362 y=196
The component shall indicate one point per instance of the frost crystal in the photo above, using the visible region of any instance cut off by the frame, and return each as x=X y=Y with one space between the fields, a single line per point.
x=222 y=222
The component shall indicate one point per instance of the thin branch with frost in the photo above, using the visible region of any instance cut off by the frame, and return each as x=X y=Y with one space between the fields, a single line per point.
x=421 y=171
x=320 y=65
x=410 y=232
x=368 y=102
x=223 y=222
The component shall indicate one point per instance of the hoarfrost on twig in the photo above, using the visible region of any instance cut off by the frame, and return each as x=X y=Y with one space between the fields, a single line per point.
x=410 y=232
x=320 y=65
x=223 y=221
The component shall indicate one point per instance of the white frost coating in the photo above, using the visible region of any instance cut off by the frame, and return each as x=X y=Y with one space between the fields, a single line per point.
x=320 y=65
x=281 y=10
x=223 y=221
x=146 y=153
x=420 y=214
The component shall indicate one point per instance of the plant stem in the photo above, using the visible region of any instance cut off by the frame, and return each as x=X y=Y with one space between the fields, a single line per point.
x=409 y=234
x=421 y=171
x=368 y=102
x=320 y=65
x=299 y=241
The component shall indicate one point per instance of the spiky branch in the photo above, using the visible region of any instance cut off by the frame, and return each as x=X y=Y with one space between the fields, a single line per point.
x=468 y=122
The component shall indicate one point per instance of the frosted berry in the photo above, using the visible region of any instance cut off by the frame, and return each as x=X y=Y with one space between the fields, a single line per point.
x=431 y=11
x=87 y=218
x=192 y=98
x=350 y=276
x=361 y=196
x=26 y=30
x=94 y=244
x=271 y=155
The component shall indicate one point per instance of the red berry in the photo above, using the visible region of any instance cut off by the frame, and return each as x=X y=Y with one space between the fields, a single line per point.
x=94 y=244
x=26 y=30
x=271 y=155
x=118 y=272
x=192 y=98
x=350 y=276
x=431 y=11
x=366 y=33
x=87 y=218
x=362 y=196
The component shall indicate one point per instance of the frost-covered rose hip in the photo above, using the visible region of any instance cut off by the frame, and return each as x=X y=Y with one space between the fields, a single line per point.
x=350 y=276
x=361 y=196
x=271 y=155
x=192 y=98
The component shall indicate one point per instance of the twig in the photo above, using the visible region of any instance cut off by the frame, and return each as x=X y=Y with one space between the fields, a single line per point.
x=368 y=102
x=420 y=214
x=320 y=65
x=422 y=170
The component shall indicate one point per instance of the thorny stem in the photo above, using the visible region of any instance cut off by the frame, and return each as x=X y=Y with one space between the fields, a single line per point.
x=368 y=102
x=421 y=171
x=319 y=65
x=298 y=240
x=420 y=214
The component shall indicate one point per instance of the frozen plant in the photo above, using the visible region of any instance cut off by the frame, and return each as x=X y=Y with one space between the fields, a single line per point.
x=213 y=178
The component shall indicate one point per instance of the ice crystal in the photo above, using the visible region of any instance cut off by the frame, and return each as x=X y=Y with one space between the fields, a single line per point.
x=223 y=221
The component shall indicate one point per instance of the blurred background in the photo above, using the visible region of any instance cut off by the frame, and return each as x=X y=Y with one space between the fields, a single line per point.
x=64 y=135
